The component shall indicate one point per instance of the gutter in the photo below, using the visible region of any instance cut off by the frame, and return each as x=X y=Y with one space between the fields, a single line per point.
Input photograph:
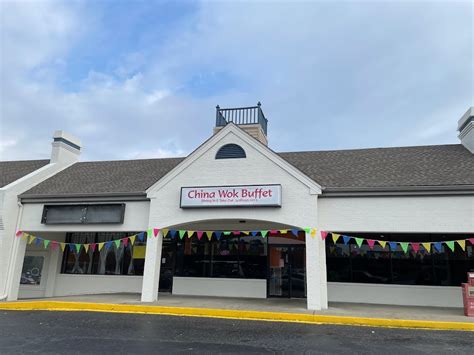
x=81 y=197
x=398 y=191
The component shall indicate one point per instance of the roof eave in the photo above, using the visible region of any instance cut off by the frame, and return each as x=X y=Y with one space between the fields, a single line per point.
x=84 y=197
x=398 y=191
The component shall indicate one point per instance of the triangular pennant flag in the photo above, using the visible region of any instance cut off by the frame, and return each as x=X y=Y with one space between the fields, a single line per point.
x=313 y=232
x=181 y=233
x=236 y=232
x=359 y=241
x=19 y=233
x=132 y=239
x=63 y=246
x=218 y=234
x=283 y=231
x=149 y=233
x=38 y=241
x=32 y=238
x=25 y=236
x=209 y=235
x=125 y=242
x=462 y=244
x=165 y=232
x=404 y=246
x=78 y=247
x=437 y=246
x=324 y=235
x=427 y=246
x=471 y=240
x=371 y=243
x=155 y=231
x=93 y=245
x=190 y=234
x=86 y=248
x=264 y=233
x=346 y=239
x=335 y=237
x=254 y=233
x=295 y=232
x=199 y=234
x=172 y=233
x=71 y=247
x=307 y=229
x=273 y=231
x=46 y=243
x=415 y=247
x=246 y=232
x=54 y=245
x=100 y=246
x=117 y=243
x=393 y=246
x=226 y=233
x=141 y=236
x=383 y=243
x=450 y=244
x=109 y=245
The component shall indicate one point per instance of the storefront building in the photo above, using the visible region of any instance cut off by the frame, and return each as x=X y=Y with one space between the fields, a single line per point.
x=236 y=219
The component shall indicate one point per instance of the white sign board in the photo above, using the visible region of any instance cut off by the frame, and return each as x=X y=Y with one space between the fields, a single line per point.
x=231 y=196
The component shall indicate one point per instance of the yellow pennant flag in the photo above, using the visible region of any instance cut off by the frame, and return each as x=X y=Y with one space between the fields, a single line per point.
x=165 y=232
x=335 y=237
x=86 y=247
x=190 y=234
x=209 y=235
x=31 y=240
x=132 y=239
x=246 y=232
x=283 y=231
x=63 y=246
x=25 y=236
x=100 y=246
x=427 y=246
x=462 y=244
x=382 y=243
x=313 y=232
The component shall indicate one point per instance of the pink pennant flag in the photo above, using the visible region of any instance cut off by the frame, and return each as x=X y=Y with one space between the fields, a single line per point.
x=155 y=231
x=273 y=231
x=324 y=235
x=471 y=240
x=92 y=246
x=236 y=232
x=54 y=245
x=125 y=242
x=371 y=243
x=415 y=247
x=199 y=234
x=19 y=233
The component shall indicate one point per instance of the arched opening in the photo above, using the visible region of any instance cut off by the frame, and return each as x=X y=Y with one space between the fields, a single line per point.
x=230 y=257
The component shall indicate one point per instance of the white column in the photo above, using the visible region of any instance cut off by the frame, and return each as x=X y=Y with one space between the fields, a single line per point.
x=313 y=273
x=322 y=265
x=151 y=273
x=14 y=273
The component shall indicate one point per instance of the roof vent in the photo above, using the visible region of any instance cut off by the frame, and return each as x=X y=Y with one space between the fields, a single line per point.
x=466 y=130
x=251 y=119
x=231 y=151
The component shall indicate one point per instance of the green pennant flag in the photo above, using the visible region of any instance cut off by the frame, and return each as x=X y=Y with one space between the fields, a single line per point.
x=78 y=247
x=149 y=233
x=359 y=241
x=450 y=245
x=117 y=243
x=226 y=233
x=307 y=229
x=181 y=233
x=46 y=243
x=404 y=246
x=264 y=233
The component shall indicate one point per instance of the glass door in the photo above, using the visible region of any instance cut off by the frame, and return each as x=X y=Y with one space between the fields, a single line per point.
x=287 y=271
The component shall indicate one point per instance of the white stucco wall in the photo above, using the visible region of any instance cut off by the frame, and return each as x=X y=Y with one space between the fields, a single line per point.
x=220 y=287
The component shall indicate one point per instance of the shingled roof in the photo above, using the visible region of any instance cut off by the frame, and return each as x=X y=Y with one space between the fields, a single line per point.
x=11 y=171
x=379 y=168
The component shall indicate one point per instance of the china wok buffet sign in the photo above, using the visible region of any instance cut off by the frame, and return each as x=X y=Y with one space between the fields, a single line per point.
x=231 y=196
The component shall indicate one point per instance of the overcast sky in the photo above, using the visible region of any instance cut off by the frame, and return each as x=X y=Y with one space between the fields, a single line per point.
x=141 y=79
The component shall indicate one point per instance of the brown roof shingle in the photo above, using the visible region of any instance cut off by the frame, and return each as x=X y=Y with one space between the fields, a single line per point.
x=11 y=171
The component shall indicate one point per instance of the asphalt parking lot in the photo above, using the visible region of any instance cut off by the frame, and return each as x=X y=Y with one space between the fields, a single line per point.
x=44 y=332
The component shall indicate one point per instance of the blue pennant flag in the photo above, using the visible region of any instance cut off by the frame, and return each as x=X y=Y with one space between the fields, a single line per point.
x=141 y=236
x=393 y=245
x=108 y=245
x=218 y=234
x=71 y=248
x=346 y=239
x=38 y=241
x=438 y=246
x=254 y=233
x=172 y=233
x=295 y=232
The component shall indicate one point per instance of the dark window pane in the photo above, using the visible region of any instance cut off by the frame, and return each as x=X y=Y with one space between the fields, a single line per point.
x=104 y=214
x=62 y=214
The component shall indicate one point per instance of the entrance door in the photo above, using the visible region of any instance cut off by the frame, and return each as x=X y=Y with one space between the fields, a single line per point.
x=168 y=254
x=287 y=271
x=33 y=275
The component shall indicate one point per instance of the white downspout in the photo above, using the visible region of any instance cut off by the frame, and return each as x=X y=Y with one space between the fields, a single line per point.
x=11 y=262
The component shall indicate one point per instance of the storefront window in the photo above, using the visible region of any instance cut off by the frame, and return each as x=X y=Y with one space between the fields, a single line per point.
x=349 y=263
x=121 y=260
x=32 y=270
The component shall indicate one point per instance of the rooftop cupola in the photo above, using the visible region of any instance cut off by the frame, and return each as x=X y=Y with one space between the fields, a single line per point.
x=250 y=119
x=466 y=130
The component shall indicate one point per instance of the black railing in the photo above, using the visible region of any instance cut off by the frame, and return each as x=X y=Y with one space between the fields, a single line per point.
x=241 y=116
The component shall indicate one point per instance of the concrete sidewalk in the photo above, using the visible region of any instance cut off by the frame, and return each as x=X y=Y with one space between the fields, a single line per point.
x=272 y=309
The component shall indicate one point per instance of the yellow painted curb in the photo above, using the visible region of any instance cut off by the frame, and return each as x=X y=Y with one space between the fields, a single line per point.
x=235 y=314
